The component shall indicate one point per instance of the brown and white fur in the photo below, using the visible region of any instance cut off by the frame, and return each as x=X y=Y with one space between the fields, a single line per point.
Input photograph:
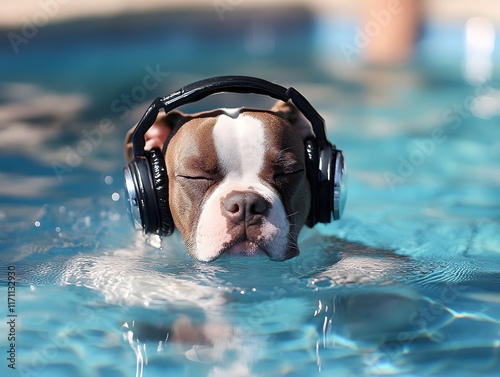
x=237 y=179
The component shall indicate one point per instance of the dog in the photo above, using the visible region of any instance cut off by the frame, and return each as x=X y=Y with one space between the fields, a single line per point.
x=236 y=179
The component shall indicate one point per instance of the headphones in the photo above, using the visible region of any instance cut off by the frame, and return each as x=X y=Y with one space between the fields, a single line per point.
x=146 y=181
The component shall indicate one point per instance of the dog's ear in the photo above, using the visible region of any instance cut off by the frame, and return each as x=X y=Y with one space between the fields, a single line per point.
x=157 y=134
x=289 y=112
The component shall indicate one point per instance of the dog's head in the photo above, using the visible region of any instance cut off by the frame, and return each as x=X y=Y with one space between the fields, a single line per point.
x=237 y=179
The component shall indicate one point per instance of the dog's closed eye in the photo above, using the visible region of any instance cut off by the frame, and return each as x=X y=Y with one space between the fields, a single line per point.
x=198 y=169
x=288 y=172
x=287 y=164
x=198 y=177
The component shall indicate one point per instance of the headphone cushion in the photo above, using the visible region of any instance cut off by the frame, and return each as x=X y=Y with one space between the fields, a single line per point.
x=312 y=163
x=160 y=182
x=325 y=184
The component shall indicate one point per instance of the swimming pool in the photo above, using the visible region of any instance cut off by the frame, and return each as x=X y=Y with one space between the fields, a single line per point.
x=407 y=284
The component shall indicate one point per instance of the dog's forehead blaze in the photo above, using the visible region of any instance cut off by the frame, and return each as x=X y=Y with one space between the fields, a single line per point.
x=282 y=134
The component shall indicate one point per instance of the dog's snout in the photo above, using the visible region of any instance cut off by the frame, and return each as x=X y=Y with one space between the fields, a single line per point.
x=244 y=206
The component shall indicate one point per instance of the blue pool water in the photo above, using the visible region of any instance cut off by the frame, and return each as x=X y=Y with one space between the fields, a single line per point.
x=406 y=284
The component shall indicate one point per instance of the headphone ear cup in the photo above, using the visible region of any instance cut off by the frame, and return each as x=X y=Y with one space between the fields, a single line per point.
x=332 y=181
x=133 y=194
x=312 y=163
x=325 y=184
x=160 y=183
x=141 y=198
x=339 y=183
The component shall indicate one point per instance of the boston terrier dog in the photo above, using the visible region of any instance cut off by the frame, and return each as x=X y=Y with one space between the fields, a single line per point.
x=232 y=181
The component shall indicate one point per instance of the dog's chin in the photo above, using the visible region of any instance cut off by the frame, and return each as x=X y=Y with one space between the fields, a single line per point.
x=248 y=248
x=243 y=248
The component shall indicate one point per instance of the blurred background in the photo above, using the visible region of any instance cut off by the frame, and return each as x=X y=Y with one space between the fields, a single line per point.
x=76 y=75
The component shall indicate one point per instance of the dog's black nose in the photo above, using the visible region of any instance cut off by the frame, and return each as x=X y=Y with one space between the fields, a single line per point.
x=244 y=206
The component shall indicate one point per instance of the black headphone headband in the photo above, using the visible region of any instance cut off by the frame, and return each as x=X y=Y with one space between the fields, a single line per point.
x=233 y=84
